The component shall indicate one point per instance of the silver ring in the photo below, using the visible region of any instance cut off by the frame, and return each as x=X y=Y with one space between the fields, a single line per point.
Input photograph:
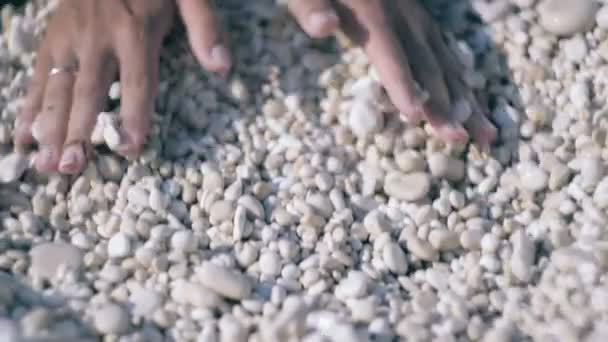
x=58 y=70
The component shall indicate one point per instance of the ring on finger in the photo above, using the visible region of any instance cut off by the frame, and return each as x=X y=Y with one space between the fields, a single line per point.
x=64 y=69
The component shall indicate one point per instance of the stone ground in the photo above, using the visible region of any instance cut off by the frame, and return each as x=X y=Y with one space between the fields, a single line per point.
x=290 y=203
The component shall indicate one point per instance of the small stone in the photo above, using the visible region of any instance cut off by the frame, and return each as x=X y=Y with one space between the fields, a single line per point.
x=376 y=223
x=145 y=301
x=442 y=166
x=579 y=95
x=221 y=211
x=364 y=119
x=231 y=329
x=270 y=263
x=421 y=249
x=111 y=319
x=522 y=259
x=470 y=239
x=354 y=285
x=158 y=201
x=12 y=167
x=48 y=258
x=575 y=49
x=532 y=177
x=183 y=241
x=35 y=321
x=111 y=135
x=444 y=240
x=224 y=281
x=119 y=246
x=407 y=187
x=394 y=258
x=212 y=178
x=139 y=196
x=567 y=17
x=9 y=331
x=410 y=161
x=602 y=17
x=114 y=92
x=197 y=295
x=363 y=310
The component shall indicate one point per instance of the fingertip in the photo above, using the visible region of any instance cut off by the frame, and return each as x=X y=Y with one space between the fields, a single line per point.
x=216 y=59
x=321 y=23
x=46 y=160
x=132 y=142
x=73 y=159
x=452 y=133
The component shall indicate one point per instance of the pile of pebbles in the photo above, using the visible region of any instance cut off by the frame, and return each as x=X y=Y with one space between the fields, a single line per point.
x=290 y=202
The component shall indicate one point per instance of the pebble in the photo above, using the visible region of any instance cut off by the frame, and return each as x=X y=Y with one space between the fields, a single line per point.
x=408 y=187
x=354 y=285
x=442 y=166
x=119 y=246
x=270 y=263
x=522 y=259
x=12 y=167
x=111 y=319
x=410 y=161
x=444 y=240
x=575 y=49
x=567 y=17
x=48 y=258
x=224 y=281
x=9 y=331
x=602 y=17
x=421 y=249
x=183 y=241
x=394 y=258
x=532 y=177
x=221 y=211
x=365 y=119
x=145 y=301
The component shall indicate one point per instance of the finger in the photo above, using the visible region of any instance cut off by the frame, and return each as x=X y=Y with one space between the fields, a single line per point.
x=481 y=129
x=207 y=43
x=92 y=84
x=33 y=100
x=368 y=26
x=427 y=70
x=316 y=17
x=138 y=63
x=50 y=126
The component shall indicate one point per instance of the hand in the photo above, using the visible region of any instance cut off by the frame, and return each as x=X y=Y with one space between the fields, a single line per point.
x=89 y=42
x=405 y=45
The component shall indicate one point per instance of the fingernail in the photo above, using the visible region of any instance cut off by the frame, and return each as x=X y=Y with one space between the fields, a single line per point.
x=70 y=160
x=44 y=159
x=320 y=19
x=221 y=56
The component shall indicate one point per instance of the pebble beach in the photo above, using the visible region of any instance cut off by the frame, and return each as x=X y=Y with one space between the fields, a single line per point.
x=291 y=202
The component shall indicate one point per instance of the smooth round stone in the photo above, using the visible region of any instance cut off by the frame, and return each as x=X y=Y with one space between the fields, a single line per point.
x=111 y=319
x=532 y=177
x=48 y=258
x=394 y=258
x=602 y=17
x=567 y=17
x=270 y=263
x=12 y=167
x=442 y=166
x=364 y=119
x=353 y=286
x=224 y=281
x=407 y=187
x=119 y=246
x=9 y=331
